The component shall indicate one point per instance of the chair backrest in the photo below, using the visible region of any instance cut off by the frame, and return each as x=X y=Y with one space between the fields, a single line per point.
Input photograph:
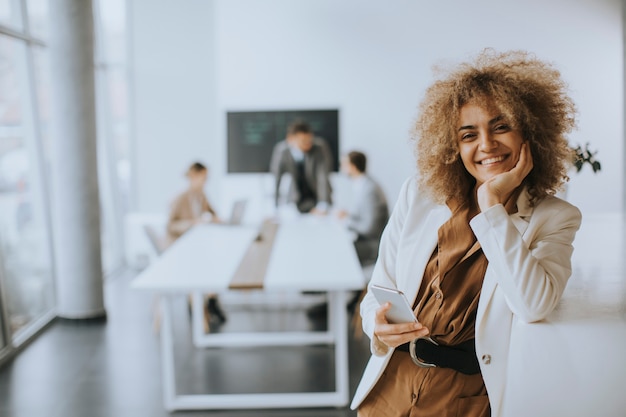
x=158 y=241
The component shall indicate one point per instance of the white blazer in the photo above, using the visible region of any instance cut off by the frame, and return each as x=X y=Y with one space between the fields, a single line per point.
x=529 y=256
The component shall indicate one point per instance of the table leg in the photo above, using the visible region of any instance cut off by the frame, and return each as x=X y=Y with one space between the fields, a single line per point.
x=338 y=333
x=167 y=354
x=197 y=318
x=338 y=316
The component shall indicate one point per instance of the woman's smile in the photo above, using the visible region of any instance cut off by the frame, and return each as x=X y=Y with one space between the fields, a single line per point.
x=492 y=161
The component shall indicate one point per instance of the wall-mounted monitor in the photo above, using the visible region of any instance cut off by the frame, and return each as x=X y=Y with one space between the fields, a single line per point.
x=253 y=134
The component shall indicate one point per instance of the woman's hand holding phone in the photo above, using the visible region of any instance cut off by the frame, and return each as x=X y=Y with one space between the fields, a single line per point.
x=395 y=322
x=394 y=335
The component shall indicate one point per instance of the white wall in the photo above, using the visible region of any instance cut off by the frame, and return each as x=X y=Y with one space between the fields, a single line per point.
x=173 y=95
x=370 y=59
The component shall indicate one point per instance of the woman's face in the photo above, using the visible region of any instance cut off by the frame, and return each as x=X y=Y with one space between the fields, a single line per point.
x=197 y=179
x=488 y=144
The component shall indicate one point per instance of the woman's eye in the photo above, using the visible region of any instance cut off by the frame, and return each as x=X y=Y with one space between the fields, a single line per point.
x=467 y=137
x=502 y=128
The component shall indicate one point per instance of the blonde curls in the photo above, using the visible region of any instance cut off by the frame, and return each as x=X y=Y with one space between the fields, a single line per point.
x=529 y=92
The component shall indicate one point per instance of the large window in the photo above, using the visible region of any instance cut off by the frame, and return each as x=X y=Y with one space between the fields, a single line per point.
x=26 y=261
x=27 y=299
x=38 y=18
x=11 y=14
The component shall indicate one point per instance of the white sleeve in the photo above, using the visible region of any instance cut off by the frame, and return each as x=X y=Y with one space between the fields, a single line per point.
x=532 y=273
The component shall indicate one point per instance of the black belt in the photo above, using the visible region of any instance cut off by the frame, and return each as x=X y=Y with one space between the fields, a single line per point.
x=427 y=353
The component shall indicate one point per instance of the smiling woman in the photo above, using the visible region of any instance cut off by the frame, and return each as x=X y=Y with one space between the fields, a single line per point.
x=476 y=241
x=527 y=93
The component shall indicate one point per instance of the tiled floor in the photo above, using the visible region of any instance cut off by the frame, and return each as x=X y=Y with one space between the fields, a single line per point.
x=113 y=369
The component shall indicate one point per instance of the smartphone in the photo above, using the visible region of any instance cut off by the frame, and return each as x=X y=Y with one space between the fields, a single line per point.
x=400 y=311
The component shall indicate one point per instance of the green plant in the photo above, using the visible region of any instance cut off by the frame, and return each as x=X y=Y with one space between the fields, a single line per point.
x=584 y=155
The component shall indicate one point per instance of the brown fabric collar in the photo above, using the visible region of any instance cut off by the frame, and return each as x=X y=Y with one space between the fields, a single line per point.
x=457 y=204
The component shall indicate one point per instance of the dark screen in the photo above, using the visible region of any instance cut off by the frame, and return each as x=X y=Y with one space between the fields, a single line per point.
x=253 y=134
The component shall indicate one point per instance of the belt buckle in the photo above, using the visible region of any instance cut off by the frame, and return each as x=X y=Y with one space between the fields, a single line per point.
x=414 y=357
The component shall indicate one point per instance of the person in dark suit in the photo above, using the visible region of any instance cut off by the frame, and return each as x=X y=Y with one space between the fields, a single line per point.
x=368 y=213
x=309 y=161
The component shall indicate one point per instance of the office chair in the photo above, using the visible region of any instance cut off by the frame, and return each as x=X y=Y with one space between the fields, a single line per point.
x=159 y=242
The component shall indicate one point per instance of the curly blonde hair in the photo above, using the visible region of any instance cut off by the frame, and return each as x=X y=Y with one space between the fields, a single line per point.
x=528 y=92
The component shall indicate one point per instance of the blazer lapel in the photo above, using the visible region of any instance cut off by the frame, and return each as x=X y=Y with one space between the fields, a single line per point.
x=524 y=211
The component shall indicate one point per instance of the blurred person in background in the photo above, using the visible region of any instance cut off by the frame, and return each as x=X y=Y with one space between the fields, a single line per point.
x=309 y=161
x=188 y=209
x=368 y=212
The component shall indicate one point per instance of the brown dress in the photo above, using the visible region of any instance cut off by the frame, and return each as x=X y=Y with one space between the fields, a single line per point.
x=446 y=304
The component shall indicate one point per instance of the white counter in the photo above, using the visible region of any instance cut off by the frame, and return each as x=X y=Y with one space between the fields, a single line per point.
x=574 y=363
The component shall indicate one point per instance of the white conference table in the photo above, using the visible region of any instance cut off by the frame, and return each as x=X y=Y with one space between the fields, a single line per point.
x=574 y=363
x=309 y=254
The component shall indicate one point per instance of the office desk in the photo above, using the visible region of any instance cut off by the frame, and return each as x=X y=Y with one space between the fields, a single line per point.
x=308 y=254
x=573 y=363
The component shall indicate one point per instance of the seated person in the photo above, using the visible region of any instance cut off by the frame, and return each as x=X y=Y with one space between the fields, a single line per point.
x=368 y=213
x=309 y=161
x=192 y=207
